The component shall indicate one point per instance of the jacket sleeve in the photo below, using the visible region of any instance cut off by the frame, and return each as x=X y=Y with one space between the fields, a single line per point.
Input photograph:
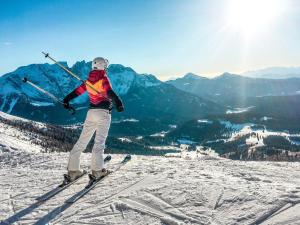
x=115 y=98
x=78 y=91
x=110 y=93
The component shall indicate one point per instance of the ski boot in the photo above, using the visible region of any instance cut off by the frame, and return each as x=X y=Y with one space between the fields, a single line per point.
x=100 y=173
x=71 y=176
x=97 y=175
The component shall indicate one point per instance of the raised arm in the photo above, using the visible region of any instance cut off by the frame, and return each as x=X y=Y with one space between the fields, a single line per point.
x=75 y=93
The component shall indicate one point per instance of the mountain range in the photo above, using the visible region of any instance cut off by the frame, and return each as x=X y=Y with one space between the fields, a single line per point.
x=236 y=90
x=143 y=94
x=274 y=73
x=146 y=98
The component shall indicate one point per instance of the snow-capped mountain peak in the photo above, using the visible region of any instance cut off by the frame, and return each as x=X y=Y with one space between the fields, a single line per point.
x=227 y=75
x=122 y=78
x=191 y=76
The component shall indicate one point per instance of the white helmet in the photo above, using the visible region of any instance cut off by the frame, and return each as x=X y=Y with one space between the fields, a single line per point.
x=99 y=63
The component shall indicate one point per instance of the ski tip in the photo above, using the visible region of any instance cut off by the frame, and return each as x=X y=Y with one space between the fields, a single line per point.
x=107 y=158
x=127 y=158
x=24 y=79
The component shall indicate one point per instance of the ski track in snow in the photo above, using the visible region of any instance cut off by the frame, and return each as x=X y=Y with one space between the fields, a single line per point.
x=147 y=190
x=154 y=190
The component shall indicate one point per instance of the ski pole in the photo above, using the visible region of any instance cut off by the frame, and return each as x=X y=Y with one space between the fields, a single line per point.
x=70 y=108
x=70 y=72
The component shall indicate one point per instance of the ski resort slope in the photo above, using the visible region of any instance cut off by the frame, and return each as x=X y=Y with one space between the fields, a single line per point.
x=148 y=190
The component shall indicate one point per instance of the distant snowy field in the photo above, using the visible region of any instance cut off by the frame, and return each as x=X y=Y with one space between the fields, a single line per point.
x=192 y=189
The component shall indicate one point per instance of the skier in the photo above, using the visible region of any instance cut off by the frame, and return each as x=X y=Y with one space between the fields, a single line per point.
x=97 y=120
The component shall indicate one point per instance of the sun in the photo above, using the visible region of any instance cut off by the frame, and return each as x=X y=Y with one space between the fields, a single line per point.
x=250 y=17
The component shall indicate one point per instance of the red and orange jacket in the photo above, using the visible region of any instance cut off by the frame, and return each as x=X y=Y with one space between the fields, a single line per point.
x=103 y=97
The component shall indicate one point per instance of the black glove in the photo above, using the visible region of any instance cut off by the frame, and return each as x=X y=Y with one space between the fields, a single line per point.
x=117 y=101
x=66 y=104
x=120 y=108
x=68 y=98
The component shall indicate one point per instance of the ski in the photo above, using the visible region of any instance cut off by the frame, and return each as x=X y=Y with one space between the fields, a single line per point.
x=93 y=182
x=64 y=185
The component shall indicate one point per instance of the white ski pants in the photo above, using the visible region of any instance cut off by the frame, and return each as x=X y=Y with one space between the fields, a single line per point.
x=97 y=120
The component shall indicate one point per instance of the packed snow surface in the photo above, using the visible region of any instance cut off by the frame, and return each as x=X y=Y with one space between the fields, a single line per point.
x=152 y=190
x=189 y=188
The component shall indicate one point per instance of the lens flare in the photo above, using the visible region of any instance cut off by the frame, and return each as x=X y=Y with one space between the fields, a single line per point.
x=250 y=17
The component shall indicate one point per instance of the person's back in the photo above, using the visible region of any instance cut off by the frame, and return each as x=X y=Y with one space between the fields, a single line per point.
x=99 y=89
x=99 y=81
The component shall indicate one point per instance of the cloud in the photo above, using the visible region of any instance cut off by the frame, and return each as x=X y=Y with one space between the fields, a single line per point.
x=7 y=43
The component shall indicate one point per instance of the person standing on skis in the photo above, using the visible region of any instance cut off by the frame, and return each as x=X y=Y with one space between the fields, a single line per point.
x=97 y=121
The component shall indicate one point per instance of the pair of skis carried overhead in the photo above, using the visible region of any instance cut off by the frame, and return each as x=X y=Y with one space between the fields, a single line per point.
x=70 y=108
x=92 y=183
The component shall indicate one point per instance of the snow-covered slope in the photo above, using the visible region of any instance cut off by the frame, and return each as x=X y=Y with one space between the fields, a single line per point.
x=148 y=190
x=13 y=140
x=123 y=78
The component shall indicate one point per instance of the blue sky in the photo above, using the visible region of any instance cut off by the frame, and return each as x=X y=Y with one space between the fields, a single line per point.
x=167 y=38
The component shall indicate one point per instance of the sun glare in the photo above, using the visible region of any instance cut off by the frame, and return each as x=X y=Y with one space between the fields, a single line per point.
x=249 y=17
